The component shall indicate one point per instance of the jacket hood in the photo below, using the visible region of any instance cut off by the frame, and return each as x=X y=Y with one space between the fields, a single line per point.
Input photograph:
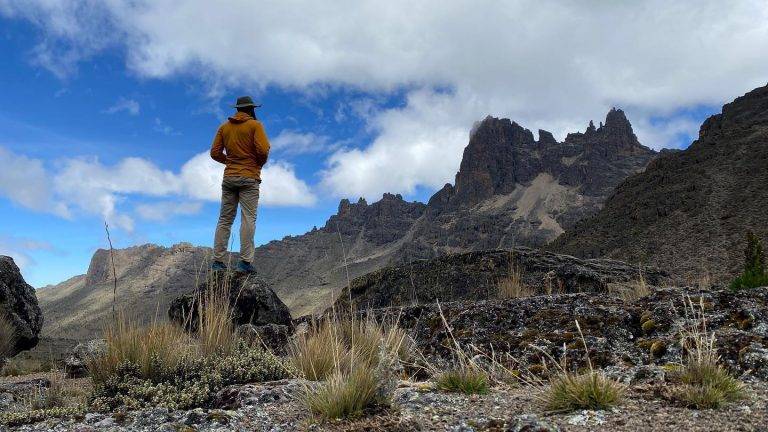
x=240 y=117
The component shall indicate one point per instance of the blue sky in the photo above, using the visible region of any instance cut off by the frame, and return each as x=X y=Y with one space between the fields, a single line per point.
x=108 y=108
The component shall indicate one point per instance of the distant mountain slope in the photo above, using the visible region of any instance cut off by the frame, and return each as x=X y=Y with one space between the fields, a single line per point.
x=510 y=190
x=688 y=211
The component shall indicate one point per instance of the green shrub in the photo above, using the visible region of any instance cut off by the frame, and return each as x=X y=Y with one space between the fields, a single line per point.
x=467 y=379
x=191 y=382
x=34 y=416
x=754 y=274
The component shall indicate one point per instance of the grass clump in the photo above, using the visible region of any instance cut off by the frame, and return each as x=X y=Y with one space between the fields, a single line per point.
x=592 y=390
x=467 y=379
x=512 y=286
x=631 y=291
x=568 y=391
x=755 y=274
x=347 y=393
x=162 y=365
x=358 y=361
x=705 y=383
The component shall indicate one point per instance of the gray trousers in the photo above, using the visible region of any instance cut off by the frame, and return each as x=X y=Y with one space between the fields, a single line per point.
x=234 y=191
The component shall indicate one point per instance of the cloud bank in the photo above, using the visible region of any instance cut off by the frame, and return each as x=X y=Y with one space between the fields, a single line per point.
x=86 y=186
x=546 y=64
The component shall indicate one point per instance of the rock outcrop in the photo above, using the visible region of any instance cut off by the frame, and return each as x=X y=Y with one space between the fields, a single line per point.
x=252 y=300
x=476 y=275
x=689 y=211
x=19 y=305
x=618 y=334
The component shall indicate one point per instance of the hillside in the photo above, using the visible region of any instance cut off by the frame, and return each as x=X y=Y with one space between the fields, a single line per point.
x=689 y=211
x=511 y=189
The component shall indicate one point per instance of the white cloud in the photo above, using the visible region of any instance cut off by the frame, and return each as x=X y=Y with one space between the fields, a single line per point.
x=25 y=181
x=417 y=145
x=201 y=179
x=85 y=185
x=291 y=142
x=162 y=211
x=546 y=64
x=130 y=106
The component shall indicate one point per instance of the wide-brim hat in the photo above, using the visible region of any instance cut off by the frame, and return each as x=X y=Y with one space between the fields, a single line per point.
x=245 y=101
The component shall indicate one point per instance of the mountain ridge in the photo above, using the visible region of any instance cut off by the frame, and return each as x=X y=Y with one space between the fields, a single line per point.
x=689 y=211
x=510 y=190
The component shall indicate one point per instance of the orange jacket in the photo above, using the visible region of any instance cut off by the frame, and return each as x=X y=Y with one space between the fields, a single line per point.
x=242 y=145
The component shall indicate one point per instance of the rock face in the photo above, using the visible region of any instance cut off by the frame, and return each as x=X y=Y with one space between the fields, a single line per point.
x=252 y=299
x=689 y=211
x=511 y=190
x=19 y=304
x=475 y=276
x=618 y=334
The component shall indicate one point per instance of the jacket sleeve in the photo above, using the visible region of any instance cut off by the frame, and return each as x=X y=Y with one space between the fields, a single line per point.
x=217 y=148
x=261 y=143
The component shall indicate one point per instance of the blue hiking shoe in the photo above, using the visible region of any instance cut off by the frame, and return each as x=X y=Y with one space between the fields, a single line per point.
x=218 y=266
x=245 y=267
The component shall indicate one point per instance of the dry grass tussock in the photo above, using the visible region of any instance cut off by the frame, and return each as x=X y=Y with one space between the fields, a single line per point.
x=358 y=359
x=512 y=286
x=161 y=364
x=704 y=382
x=466 y=375
x=631 y=291
x=568 y=391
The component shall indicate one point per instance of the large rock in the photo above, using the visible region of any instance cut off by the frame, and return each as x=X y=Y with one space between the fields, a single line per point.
x=76 y=364
x=19 y=304
x=476 y=275
x=252 y=299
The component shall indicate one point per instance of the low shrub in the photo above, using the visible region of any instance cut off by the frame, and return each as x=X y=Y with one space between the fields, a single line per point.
x=755 y=274
x=191 y=382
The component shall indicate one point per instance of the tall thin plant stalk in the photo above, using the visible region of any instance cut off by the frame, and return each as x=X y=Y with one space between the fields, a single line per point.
x=114 y=271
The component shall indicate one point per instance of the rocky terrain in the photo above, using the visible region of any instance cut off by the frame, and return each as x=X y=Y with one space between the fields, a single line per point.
x=477 y=275
x=636 y=342
x=689 y=211
x=19 y=307
x=511 y=189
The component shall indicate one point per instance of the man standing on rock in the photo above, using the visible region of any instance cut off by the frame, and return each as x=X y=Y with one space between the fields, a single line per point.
x=242 y=145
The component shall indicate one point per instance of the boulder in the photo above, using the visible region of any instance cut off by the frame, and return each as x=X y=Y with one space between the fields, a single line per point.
x=75 y=365
x=253 y=301
x=19 y=304
x=272 y=336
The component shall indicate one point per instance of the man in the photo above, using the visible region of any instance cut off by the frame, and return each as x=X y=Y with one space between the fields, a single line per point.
x=242 y=145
